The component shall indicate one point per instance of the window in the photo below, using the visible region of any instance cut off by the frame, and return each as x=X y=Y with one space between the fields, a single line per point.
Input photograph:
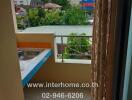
x=21 y=2
x=70 y=21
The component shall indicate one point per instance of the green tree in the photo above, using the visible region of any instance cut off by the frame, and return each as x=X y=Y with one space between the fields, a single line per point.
x=36 y=17
x=21 y=22
x=75 y=16
x=53 y=17
x=77 y=45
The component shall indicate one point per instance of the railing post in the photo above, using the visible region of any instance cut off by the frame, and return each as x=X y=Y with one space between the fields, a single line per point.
x=62 y=48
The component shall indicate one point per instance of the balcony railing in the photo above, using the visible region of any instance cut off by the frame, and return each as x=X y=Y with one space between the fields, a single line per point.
x=73 y=47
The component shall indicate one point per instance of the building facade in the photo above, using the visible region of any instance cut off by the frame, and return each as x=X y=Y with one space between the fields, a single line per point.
x=22 y=2
x=74 y=2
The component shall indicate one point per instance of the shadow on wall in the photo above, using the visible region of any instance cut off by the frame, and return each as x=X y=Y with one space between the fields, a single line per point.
x=62 y=72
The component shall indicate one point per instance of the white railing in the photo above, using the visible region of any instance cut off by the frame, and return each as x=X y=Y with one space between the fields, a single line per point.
x=72 y=47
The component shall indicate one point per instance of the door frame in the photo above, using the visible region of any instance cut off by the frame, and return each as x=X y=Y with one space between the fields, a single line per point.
x=123 y=22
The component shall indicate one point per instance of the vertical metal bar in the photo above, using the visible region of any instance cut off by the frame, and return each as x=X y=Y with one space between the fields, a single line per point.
x=62 y=49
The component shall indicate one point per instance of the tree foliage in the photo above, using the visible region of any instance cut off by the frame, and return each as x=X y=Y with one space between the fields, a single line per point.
x=70 y=16
x=53 y=17
x=81 y=44
x=75 y=16
x=77 y=45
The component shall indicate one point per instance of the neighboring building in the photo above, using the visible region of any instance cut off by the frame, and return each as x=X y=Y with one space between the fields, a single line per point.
x=37 y=3
x=40 y=2
x=52 y=6
x=22 y=2
x=26 y=3
x=74 y=2
x=20 y=11
x=87 y=5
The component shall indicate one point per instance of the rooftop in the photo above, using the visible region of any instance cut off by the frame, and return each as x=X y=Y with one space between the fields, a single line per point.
x=60 y=30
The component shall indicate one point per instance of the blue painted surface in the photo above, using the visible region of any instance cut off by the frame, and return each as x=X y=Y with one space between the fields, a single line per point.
x=87 y=8
x=36 y=68
x=87 y=1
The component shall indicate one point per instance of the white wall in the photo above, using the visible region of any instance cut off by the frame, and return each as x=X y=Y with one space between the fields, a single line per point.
x=75 y=2
x=25 y=2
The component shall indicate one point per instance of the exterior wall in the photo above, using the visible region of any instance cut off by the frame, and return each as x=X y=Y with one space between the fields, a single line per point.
x=24 y=2
x=56 y=72
x=10 y=79
x=36 y=38
x=74 y=2
x=27 y=2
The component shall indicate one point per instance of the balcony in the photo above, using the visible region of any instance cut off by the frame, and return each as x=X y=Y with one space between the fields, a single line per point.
x=75 y=69
x=70 y=55
x=52 y=70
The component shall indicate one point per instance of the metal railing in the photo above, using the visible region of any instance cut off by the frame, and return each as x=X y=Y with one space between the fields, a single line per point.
x=66 y=50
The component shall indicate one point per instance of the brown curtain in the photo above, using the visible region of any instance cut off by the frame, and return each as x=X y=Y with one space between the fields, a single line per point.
x=103 y=48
